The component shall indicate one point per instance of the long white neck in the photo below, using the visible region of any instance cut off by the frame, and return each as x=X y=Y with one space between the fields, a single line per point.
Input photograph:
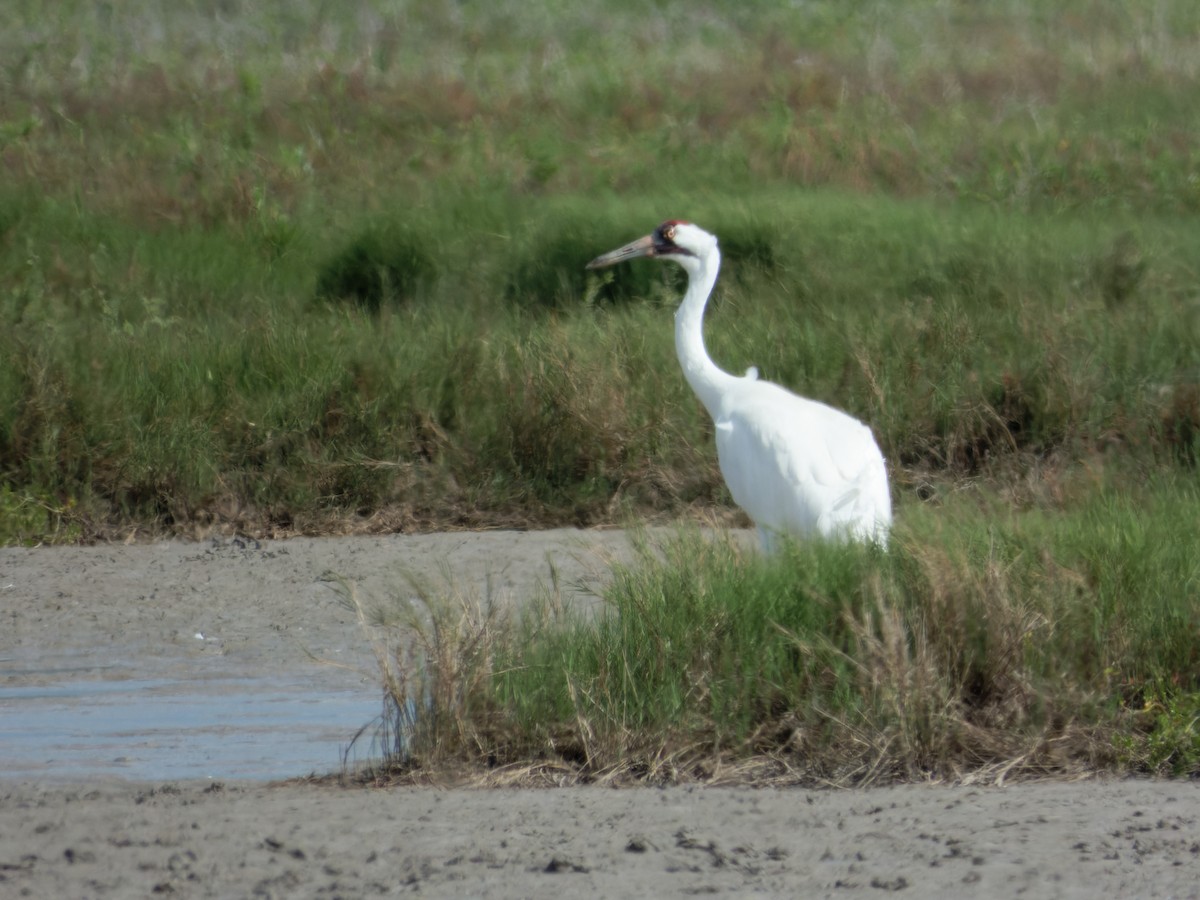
x=705 y=377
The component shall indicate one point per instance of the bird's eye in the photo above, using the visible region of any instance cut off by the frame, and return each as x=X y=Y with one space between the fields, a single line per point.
x=669 y=233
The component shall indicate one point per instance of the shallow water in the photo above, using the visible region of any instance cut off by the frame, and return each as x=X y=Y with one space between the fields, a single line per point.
x=76 y=718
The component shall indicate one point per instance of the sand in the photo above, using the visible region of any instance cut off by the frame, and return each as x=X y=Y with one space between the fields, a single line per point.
x=224 y=612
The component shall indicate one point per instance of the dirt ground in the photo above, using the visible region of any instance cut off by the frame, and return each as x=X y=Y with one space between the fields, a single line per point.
x=115 y=612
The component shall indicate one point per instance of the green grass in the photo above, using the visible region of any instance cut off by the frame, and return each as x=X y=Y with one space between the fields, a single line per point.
x=986 y=643
x=164 y=380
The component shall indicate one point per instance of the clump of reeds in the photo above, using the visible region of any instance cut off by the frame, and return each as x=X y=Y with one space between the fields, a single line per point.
x=435 y=652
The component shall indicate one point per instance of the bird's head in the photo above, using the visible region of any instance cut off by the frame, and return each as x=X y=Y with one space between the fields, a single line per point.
x=674 y=239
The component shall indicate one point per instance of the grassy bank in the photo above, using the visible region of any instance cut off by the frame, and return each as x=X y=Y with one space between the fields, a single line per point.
x=988 y=643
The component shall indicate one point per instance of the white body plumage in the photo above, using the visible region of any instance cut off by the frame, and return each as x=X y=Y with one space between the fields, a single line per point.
x=795 y=465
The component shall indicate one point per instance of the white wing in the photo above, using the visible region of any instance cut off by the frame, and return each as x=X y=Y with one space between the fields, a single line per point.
x=799 y=466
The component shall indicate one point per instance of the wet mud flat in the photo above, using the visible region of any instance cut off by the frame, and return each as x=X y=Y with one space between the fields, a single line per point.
x=120 y=664
x=1084 y=840
x=232 y=658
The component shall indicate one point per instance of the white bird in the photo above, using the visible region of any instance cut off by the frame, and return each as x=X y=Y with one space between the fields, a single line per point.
x=795 y=465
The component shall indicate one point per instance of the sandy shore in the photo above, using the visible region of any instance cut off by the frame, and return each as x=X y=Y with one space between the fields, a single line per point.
x=112 y=613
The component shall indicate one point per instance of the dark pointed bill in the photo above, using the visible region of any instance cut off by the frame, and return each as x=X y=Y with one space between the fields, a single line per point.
x=641 y=247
